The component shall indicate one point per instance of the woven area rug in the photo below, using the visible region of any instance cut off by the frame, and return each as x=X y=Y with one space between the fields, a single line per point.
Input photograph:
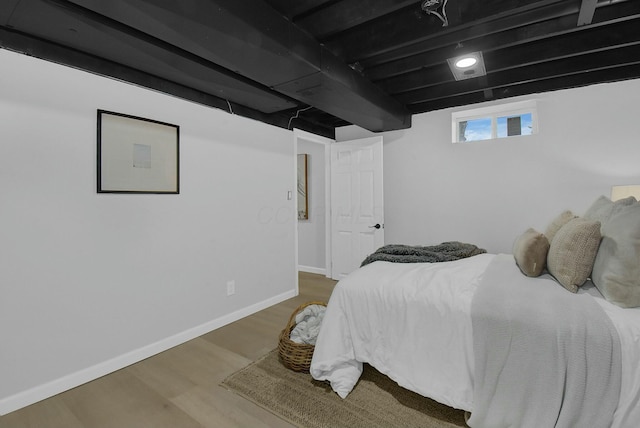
x=376 y=401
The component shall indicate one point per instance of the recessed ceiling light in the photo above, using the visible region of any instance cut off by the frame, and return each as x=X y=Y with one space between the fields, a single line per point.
x=466 y=62
x=466 y=66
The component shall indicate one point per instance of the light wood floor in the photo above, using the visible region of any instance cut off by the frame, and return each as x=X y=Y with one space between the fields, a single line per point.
x=180 y=387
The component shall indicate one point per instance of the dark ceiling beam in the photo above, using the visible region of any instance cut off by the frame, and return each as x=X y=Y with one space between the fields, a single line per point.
x=45 y=50
x=6 y=10
x=606 y=37
x=587 y=9
x=255 y=41
x=469 y=35
x=83 y=30
x=268 y=59
x=526 y=34
x=293 y=9
x=568 y=45
x=574 y=66
x=540 y=30
x=387 y=39
x=339 y=16
x=494 y=41
x=564 y=82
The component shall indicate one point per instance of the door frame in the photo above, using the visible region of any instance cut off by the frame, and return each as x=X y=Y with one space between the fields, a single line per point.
x=299 y=134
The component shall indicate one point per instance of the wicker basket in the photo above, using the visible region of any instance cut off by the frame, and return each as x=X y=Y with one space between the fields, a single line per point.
x=295 y=356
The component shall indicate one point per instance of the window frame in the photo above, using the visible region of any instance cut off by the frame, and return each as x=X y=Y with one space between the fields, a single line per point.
x=494 y=112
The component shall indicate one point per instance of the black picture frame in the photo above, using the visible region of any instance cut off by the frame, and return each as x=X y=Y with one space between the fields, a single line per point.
x=137 y=155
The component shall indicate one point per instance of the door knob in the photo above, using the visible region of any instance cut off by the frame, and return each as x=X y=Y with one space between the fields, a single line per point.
x=376 y=226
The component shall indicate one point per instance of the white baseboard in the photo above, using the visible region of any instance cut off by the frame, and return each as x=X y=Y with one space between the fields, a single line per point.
x=40 y=392
x=309 y=269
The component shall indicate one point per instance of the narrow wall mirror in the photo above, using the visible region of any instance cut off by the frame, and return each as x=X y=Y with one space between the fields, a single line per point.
x=303 y=202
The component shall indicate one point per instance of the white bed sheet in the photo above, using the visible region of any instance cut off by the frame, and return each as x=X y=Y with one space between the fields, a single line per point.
x=412 y=322
x=627 y=323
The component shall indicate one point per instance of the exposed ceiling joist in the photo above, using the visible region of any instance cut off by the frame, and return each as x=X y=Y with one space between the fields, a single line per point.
x=383 y=39
x=347 y=14
x=532 y=87
x=256 y=42
x=321 y=64
x=587 y=9
x=560 y=19
x=564 y=45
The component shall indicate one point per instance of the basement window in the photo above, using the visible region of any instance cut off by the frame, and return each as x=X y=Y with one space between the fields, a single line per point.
x=489 y=123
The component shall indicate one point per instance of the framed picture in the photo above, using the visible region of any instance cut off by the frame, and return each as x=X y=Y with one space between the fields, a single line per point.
x=303 y=196
x=137 y=155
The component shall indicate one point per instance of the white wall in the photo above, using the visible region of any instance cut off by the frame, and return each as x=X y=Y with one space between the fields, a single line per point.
x=92 y=282
x=312 y=232
x=489 y=192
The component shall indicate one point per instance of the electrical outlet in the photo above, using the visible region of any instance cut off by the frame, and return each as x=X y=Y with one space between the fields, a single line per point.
x=231 y=287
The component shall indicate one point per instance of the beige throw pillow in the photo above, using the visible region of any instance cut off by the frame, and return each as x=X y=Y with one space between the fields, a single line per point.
x=572 y=252
x=530 y=251
x=616 y=271
x=553 y=228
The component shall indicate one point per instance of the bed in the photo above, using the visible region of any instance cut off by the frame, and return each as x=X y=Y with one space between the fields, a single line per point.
x=498 y=336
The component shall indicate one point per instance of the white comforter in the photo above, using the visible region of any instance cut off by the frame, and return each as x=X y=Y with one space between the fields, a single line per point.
x=412 y=322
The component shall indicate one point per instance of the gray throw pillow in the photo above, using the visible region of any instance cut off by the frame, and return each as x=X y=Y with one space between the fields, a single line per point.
x=530 y=251
x=572 y=252
x=604 y=208
x=616 y=271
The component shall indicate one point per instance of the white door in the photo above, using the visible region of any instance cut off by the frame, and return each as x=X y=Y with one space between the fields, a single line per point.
x=357 y=208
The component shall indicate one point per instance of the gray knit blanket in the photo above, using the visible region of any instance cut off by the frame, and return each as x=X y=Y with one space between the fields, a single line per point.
x=445 y=252
x=543 y=357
